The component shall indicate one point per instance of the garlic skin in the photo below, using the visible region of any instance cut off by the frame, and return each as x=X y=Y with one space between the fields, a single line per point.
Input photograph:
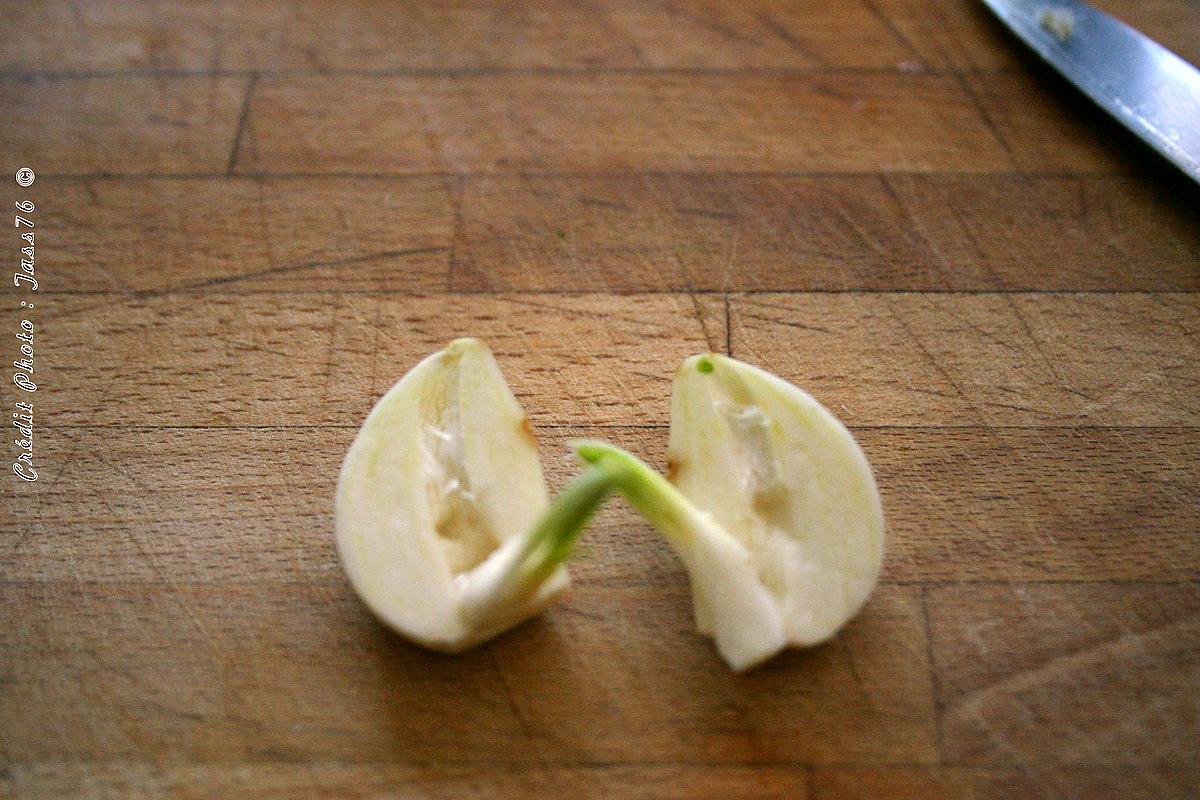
x=784 y=478
x=436 y=502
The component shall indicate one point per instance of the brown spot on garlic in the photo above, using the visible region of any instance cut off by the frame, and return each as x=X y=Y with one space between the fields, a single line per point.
x=527 y=430
x=672 y=468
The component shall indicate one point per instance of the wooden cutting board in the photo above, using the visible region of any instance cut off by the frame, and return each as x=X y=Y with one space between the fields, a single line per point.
x=253 y=218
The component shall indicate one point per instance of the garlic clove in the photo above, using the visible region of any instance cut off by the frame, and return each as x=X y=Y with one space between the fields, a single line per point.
x=785 y=477
x=771 y=506
x=442 y=517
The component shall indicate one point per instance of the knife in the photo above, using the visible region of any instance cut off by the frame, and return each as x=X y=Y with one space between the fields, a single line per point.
x=1149 y=89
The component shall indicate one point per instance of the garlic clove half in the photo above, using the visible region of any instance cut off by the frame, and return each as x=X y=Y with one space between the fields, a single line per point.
x=442 y=516
x=786 y=478
x=772 y=507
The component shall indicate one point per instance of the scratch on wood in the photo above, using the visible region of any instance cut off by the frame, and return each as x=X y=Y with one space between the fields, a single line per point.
x=728 y=328
x=796 y=43
x=788 y=323
x=243 y=117
x=896 y=33
x=933 y=361
x=290 y=269
x=700 y=315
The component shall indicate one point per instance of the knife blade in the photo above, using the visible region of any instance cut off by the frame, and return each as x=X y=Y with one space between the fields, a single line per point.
x=1149 y=89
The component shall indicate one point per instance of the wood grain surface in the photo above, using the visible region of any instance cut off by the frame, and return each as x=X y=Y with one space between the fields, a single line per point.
x=254 y=217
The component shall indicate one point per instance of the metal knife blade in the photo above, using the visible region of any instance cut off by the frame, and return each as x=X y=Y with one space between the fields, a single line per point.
x=1152 y=91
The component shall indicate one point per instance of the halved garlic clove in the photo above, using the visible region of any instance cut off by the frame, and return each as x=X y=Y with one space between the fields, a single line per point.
x=774 y=509
x=442 y=515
